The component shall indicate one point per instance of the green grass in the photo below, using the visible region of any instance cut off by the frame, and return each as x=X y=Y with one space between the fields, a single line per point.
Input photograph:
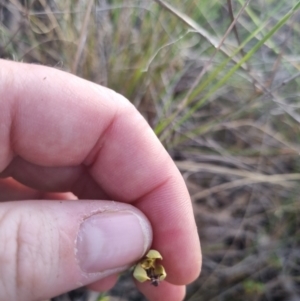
x=218 y=82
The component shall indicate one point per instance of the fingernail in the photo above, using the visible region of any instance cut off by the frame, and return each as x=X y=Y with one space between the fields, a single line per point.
x=110 y=240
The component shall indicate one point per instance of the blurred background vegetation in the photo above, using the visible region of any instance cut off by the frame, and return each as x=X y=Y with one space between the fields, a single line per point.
x=218 y=82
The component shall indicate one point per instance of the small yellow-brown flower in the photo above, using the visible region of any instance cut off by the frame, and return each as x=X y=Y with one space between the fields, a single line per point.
x=149 y=269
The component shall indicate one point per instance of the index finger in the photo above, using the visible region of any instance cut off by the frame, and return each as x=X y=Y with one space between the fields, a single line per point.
x=51 y=118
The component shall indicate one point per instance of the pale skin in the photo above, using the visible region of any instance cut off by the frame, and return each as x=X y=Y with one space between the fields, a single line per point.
x=63 y=138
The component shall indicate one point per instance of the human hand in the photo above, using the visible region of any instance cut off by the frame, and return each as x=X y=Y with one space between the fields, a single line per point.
x=61 y=137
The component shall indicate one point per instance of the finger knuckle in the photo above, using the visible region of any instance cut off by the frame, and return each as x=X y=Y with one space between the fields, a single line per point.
x=22 y=256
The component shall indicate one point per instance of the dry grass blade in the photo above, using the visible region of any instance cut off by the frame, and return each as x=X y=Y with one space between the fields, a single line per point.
x=52 y=18
x=291 y=147
x=189 y=21
x=199 y=167
x=209 y=62
x=243 y=182
x=249 y=177
x=217 y=44
x=83 y=35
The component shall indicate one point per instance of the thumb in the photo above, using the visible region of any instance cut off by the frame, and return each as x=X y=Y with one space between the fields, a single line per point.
x=50 y=247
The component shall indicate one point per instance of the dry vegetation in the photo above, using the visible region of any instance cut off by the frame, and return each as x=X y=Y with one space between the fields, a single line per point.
x=218 y=82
